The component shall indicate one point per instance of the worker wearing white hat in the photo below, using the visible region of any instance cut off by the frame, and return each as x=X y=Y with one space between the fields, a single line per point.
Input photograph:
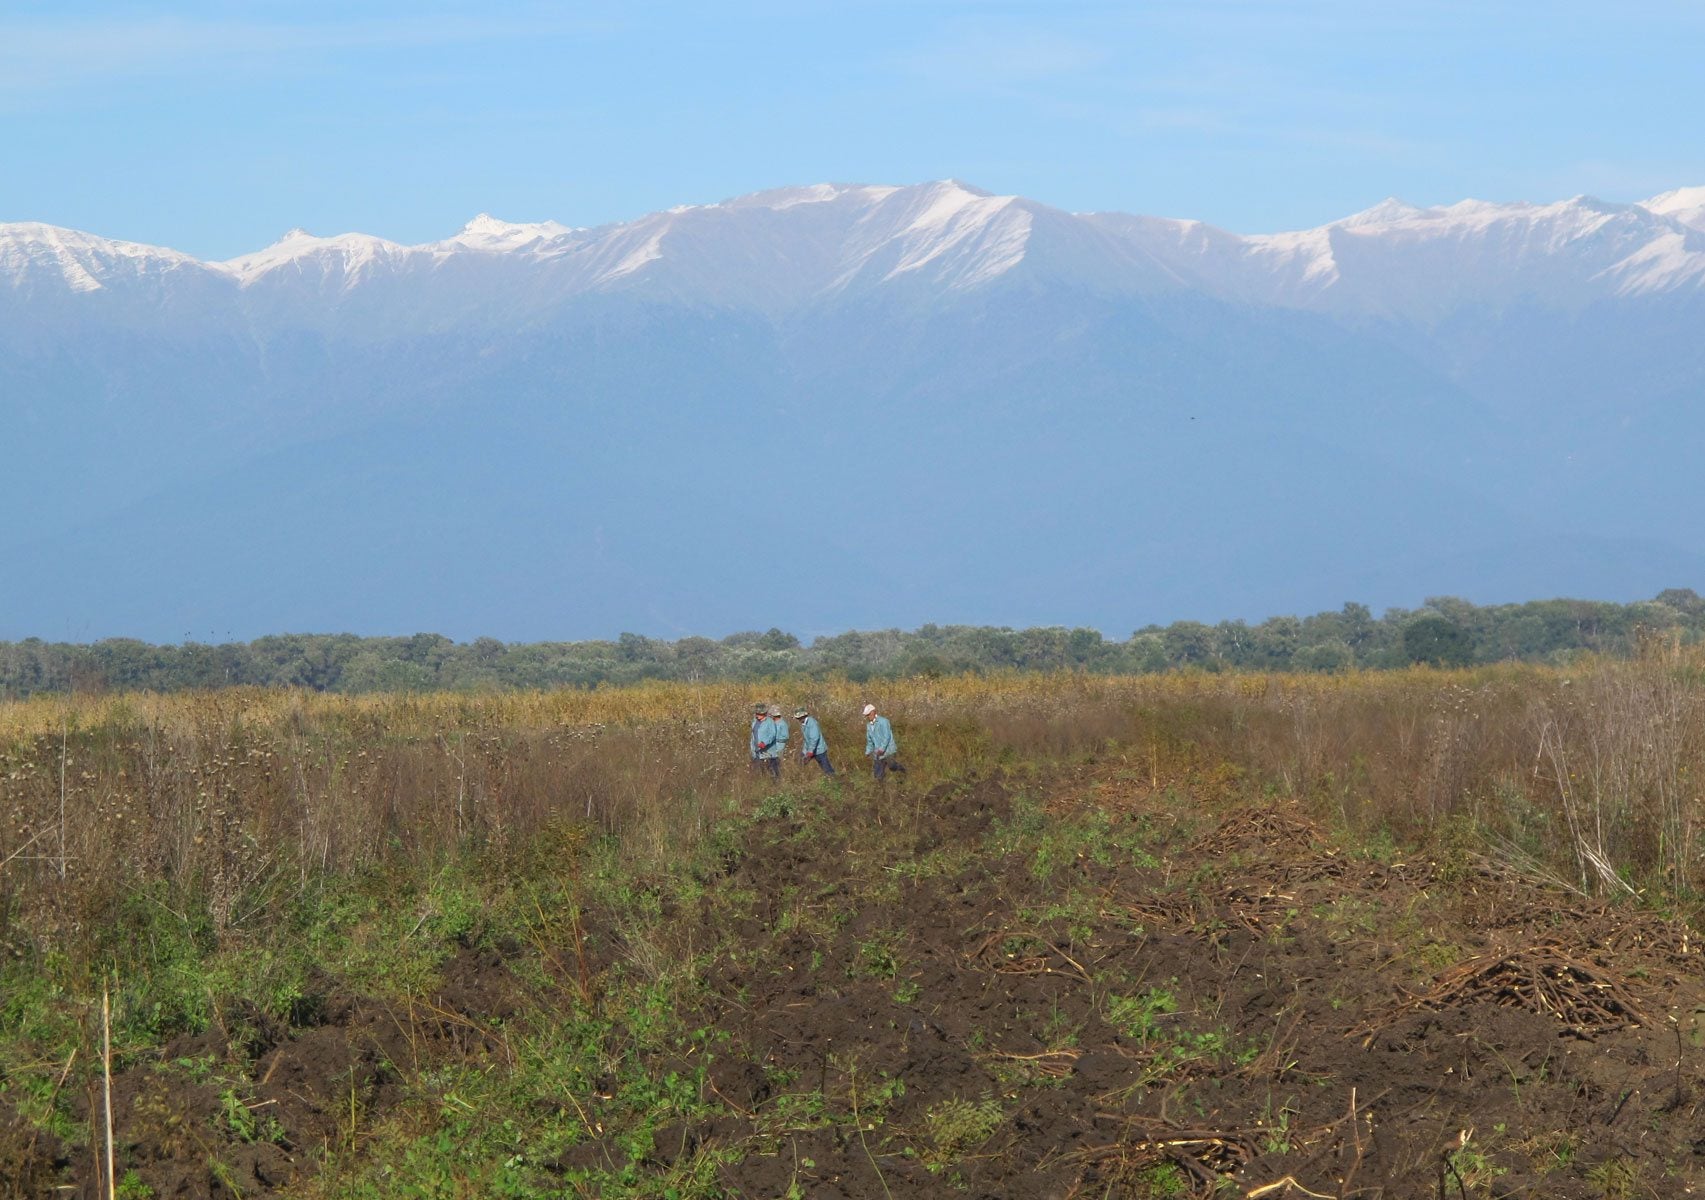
x=812 y=747
x=879 y=744
x=769 y=739
x=772 y=740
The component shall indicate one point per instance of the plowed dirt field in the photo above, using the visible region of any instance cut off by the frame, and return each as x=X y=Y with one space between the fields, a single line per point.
x=1083 y=987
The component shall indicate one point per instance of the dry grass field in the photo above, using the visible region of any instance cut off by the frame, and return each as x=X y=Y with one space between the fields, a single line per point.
x=569 y=944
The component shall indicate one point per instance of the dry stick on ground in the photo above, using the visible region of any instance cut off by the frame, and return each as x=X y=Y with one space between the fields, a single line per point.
x=582 y=974
x=106 y=1076
x=472 y=1032
x=1184 y=1146
x=858 y=1124
x=1353 y=1119
x=411 y=1030
x=1288 y=1184
x=1049 y=1064
x=1032 y=965
x=1677 y=1096
x=540 y=944
x=40 y=833
x=1082 y=974
x=64 y=739
x=271 y=1068
x=1356 y=1136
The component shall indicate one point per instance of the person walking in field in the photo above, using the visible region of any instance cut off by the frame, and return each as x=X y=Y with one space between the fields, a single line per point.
x=760 y=713
x=879 y=744
x=769 y=736
x=812 y=747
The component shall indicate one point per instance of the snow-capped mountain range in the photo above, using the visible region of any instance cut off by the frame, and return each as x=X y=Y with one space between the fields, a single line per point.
x=778 y=250
x=1496 y=399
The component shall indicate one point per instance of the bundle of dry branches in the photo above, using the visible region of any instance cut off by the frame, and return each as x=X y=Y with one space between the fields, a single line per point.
x=1544 y=978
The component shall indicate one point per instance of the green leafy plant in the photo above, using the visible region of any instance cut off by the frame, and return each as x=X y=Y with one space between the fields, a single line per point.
x=131 y=1187
x=1471 y=1167
x=1615 y=1178
x=956 y=1127
x=876 y=960
x=1138 y=1017
x=1162 y=1181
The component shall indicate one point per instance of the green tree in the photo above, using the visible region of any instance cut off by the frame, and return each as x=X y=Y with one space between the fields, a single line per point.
x=1327 y=658
x=1683 y=600
x=1188 y=644
x=1436 y=641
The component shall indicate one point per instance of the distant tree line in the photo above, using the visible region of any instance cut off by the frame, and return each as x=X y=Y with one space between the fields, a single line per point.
x=1445 y=632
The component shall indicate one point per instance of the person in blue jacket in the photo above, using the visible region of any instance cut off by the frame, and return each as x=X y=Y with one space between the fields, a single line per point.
x=879 y=743
x=760 y=713
x=772 y=740
x=812 y=747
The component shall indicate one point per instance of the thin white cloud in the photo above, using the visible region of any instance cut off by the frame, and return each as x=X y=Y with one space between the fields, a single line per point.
x=45 y=55
x=999 y=58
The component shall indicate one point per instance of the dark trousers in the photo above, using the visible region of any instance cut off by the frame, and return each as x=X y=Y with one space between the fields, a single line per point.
x=772 y=765
x=882 y=764
x=822 y=760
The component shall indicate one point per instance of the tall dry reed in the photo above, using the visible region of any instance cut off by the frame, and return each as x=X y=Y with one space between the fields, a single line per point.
x=232 y=796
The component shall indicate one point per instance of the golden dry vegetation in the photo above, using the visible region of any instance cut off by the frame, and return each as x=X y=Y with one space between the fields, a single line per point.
x=1586 y=774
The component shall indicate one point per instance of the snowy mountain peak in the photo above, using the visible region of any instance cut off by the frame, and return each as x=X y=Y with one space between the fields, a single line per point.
x=1686 y=205
x=39 y=234
x=942 y=232
x=1586 y=203
x=1389 y=211
x=1680 y=198
x=779 y=199
x=1470 y=215
x=347 y=256
x=37 y=254
x=959 y=185
x=486 y=232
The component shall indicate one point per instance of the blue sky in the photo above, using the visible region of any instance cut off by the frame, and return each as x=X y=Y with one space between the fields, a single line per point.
x=213 y=128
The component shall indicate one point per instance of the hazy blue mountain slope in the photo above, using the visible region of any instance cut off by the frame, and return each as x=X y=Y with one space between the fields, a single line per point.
x=833 y=407
x=611 y=465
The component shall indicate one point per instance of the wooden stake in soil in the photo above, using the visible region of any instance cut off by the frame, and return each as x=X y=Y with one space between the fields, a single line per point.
x=106 y=1076
x=64 y=747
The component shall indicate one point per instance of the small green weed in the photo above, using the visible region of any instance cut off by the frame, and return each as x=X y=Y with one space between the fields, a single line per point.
x=957 y=1127
x=1138 y=1017
x=876 y=959
x=131 y=1187
x=1162 y=1181
x=236 y=1116
x=1276 y=1128
x=1550 y=1151
x=1471 y=1167
x=1615 y=1178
